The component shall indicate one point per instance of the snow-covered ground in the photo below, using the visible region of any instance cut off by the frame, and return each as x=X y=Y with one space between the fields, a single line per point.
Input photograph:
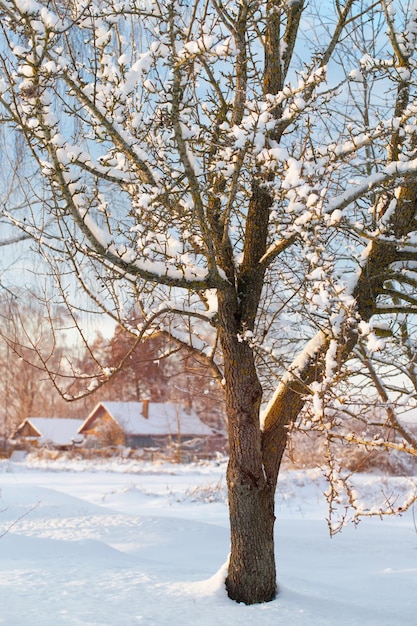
x=127 y=543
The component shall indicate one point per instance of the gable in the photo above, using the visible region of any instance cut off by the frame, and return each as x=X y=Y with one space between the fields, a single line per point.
x=26 y=429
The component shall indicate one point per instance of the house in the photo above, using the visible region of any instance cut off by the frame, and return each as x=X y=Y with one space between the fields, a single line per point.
x=142 y=424
x=49 y=431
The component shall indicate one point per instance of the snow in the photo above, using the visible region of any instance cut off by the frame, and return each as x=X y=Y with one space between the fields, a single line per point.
x=408 y=417
x=163 y=418
x=139 y=543
x=59 y=431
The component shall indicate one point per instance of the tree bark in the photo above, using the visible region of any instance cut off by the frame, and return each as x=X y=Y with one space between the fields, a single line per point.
x=252 y=573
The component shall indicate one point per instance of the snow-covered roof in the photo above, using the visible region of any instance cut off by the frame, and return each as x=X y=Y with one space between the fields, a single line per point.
x=164 y=418
x=408 y=417
x=59 y=431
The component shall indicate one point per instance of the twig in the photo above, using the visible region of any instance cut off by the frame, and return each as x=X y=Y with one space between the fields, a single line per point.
x=16 y=521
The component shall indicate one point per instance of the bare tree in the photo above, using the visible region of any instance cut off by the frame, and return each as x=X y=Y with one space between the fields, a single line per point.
x=211 y=162
x=26 y=344
x=161 y=370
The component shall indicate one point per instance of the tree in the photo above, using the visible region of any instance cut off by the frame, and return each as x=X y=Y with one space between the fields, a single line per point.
x=160 y=370
x=26 y=345
x=134 y=370
x=245 y=172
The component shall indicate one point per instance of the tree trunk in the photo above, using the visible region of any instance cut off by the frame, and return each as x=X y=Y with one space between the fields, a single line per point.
x=252 y=573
